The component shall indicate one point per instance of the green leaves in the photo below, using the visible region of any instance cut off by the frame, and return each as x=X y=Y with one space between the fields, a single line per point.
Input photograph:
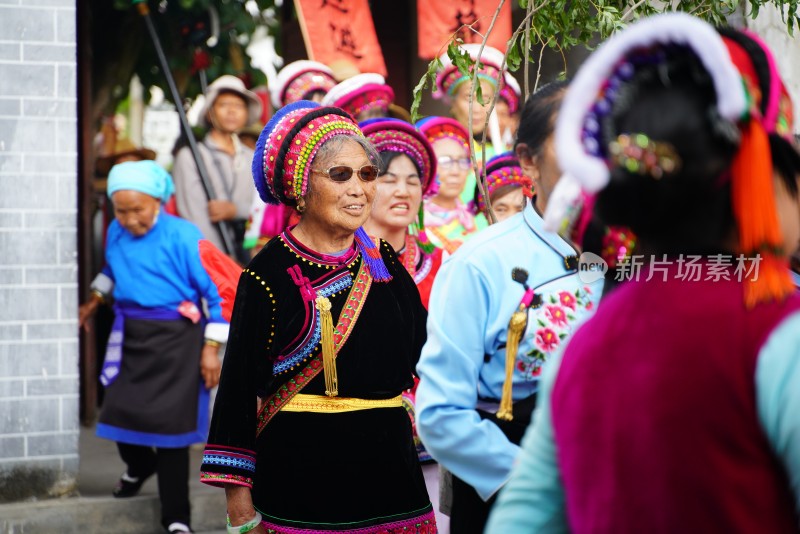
x=459 y=57
x=428 y=79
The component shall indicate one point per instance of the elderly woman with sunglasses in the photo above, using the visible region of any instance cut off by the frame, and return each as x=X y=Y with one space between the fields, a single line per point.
x=309 y=433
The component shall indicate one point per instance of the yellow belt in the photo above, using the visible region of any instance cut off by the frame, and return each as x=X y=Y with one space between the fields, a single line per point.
x=324 y=404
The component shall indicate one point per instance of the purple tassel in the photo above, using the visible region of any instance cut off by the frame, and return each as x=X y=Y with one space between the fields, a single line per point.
x=372 y=256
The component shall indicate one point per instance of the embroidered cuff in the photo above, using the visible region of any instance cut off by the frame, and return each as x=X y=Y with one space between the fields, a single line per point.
x=220 y=480
x=217 y=332
x=227 y=465
x=102 y=283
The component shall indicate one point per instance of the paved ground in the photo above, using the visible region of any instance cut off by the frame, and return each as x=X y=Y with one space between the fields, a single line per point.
x=101 y=467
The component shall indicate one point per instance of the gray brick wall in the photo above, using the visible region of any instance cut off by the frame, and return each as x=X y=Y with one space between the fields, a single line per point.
x=38 y=266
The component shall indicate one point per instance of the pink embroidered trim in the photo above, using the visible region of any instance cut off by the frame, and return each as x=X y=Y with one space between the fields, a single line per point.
x=424 y=524
x=219 y=480
x=320 y=259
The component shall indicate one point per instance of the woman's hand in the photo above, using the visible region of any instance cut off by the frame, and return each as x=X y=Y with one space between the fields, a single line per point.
x=87 y=310
x=209 y=365
x=221 y=210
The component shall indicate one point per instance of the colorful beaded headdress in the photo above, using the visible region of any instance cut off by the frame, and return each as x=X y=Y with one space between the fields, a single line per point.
x=363 y=92
x=450 y=78
x=394 y=135
x=511 y=93
x=437 y=128
x=297 y=80
x=502 y=170
x=583 y=146
x=288 y=144
x=283 y=156
x=579 y=147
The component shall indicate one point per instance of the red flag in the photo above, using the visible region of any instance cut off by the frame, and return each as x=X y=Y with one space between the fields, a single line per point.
x=438 y=21
x=341 y=30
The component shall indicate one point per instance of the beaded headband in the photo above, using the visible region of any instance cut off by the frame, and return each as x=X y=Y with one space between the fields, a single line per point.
x=393 y=135
x=437 y=128
x=288 y=144
x=299 y=78
x=305 y=84
x=361 y=93
x=450 y=78
x=638 y=154
x=502 y=170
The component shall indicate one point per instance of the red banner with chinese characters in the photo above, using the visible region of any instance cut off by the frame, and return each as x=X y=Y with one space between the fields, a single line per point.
x=337 y=31
x=438 y=21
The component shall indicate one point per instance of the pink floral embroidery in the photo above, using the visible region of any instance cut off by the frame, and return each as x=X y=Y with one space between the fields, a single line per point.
x=546 y=339
x=589 y=305
x=567 y=299
x=556 y=315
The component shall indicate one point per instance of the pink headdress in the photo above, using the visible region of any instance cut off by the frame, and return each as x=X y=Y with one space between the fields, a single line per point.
x=511 y=93
x=363 y=92
x=297 y=80
x=502 y=170
x=393 y=135
x=436 y=128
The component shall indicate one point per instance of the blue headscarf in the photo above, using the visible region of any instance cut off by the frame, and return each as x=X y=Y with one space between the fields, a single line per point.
x=143 y=176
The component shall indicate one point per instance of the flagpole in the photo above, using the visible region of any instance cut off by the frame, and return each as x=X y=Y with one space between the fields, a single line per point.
x=222 y=227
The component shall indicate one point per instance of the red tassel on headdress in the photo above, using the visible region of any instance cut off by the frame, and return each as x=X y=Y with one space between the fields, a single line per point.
x=753 y=198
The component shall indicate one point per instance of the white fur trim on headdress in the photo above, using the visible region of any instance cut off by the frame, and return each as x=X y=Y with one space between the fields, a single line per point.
x=679 y=28
x=292 y=71
x=351 y=85
x=562 y=205
x=490 y=55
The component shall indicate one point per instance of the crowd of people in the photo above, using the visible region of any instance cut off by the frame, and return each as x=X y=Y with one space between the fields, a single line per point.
x=413 y=346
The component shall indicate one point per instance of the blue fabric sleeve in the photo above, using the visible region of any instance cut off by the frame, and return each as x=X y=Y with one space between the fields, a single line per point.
x=533 y=499
x=778 y=396
x=474 y=450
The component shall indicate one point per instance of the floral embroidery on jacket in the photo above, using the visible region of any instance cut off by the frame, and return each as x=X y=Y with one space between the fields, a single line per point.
x=549 y=325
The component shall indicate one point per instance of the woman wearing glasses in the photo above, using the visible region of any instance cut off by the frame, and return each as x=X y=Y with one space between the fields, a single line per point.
x=448 y=221
x=330 y=446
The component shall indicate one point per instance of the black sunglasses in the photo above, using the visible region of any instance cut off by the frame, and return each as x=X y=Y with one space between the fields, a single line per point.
x=342 y=173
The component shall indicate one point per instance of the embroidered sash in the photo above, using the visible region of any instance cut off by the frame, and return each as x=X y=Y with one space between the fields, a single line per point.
x=347 y=320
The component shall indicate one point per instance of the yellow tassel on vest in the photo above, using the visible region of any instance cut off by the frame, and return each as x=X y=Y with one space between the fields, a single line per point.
x=516 y=326
x=328 y=352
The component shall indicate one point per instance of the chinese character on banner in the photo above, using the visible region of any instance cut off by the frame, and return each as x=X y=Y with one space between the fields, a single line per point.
x=438 y=22
x=340 y=30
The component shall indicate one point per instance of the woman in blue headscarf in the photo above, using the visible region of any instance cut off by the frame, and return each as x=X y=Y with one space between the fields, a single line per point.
x=157 y=368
